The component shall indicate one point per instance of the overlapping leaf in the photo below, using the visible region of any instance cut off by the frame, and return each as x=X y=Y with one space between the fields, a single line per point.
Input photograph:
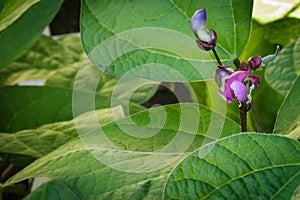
x=32 y=106
x=56 y=63
x=107 y=182
x=45 y=139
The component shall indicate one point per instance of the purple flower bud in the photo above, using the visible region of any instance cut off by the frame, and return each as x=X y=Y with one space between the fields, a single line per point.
x=205 y=40
x=254 y=62
x=244 y=66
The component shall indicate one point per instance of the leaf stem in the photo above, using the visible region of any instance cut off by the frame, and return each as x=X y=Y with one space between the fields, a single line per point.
x=243 y=116
x=217 y=57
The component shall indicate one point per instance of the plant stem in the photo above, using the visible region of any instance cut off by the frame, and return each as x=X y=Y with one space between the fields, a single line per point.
x=257 y=119
x=217 y=57
x=243 y=116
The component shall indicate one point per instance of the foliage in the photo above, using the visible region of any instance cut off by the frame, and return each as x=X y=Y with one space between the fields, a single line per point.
x=72 y=108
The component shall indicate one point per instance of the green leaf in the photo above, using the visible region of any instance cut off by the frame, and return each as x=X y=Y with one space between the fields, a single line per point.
x=154 y=40
x=26 y=28
x=282 y=32
x=57 y=63
x=128 y=165
x=107 y=85
x=30 y=107
x=45 y=139
x=283 y=71
x=244 y=166
x=45 y=58
x=52 y=190
x=288 y=115
x=13 y=10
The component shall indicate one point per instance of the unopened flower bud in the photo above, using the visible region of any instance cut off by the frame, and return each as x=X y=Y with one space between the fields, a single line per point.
x=205 y=40
x=254 y=62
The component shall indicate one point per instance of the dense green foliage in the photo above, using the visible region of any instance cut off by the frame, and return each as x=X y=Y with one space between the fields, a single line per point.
x=83 y=125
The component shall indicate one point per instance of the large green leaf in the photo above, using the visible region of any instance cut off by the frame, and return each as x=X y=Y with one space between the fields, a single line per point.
x=31 y=106
x=45 y=139
x=244 y=166
x=90 y=167
x=154 y=40
x=283 y=71
x=288 y=119
x=25 y=29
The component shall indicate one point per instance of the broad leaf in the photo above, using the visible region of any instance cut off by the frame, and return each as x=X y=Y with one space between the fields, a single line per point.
x=288 y=115
x=283 y=71
x=154 y=40
x=27 y=28
x=144 y=159
x=45 y=139
x=244 y=166
x=30 y=107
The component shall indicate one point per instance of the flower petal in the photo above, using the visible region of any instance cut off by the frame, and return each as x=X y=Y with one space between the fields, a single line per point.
x=198 y=20
x=198 y=24
x=239 y=90
x=236 y=76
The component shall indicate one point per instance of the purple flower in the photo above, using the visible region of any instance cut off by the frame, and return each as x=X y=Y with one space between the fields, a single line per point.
x=205 y=40
x=231 y=84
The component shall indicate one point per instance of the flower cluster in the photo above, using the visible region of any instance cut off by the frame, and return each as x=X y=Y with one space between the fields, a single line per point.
x=232 y=84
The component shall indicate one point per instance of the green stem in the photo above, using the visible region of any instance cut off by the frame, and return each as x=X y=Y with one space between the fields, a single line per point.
x=217 y=57
x=257 y=120
x=243 y=116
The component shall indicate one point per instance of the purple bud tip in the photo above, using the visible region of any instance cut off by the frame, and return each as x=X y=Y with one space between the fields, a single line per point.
x=255 y=62
x=198 y=20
